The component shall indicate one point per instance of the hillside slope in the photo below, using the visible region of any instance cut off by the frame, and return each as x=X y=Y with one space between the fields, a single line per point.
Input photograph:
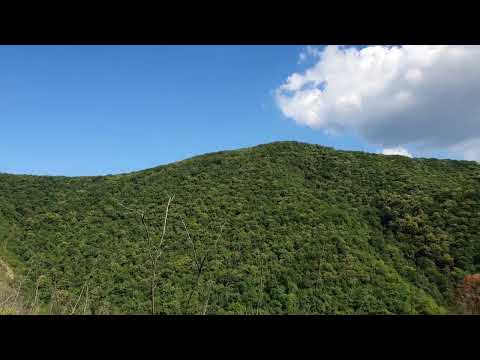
x=280 y=228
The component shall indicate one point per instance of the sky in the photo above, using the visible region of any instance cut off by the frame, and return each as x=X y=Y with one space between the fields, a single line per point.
x=96 y=110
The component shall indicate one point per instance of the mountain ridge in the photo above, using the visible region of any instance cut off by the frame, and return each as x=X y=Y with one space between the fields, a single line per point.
x=220 y=152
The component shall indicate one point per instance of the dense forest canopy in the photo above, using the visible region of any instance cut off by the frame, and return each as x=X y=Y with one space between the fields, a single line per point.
x=280 y=228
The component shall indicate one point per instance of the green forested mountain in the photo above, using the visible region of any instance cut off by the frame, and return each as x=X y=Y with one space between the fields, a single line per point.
x=280 y=228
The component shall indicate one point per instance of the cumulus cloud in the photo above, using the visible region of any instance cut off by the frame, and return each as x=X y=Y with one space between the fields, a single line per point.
x=309 y=51
x=397 y=151
x=392 y=96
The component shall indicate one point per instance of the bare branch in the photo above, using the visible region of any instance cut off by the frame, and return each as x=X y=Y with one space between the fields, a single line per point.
x=170 y=199
x=78 y=300
x=154 y=252
x=195 y=257
x=54 y=296
x=140 y=212
x=86 y=302
x=20 y=286
x=201 y=266
x=205 y=307
x=85 y=284
x=37 y=286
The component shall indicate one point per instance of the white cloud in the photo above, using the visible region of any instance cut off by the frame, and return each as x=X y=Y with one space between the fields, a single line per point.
x=302 y=57
x=427 y=96
x=397 y=151
x=309 y=51
x=470 y=149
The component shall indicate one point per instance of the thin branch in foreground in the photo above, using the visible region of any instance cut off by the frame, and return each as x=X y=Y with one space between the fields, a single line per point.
x=86 y=302
x=158 y=254
x=20 y=286
x=154 y=252
x=201 y=265
x=78 y=300
x=85 y=284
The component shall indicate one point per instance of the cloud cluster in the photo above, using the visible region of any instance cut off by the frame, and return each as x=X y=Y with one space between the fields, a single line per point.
x=309 y=51
x=392 y=96
x=397 y=151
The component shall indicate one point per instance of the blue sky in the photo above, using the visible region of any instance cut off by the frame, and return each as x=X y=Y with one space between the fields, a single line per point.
x=91 y=110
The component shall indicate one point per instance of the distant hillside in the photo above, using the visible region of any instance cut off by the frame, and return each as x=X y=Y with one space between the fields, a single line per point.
x=280 y=228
